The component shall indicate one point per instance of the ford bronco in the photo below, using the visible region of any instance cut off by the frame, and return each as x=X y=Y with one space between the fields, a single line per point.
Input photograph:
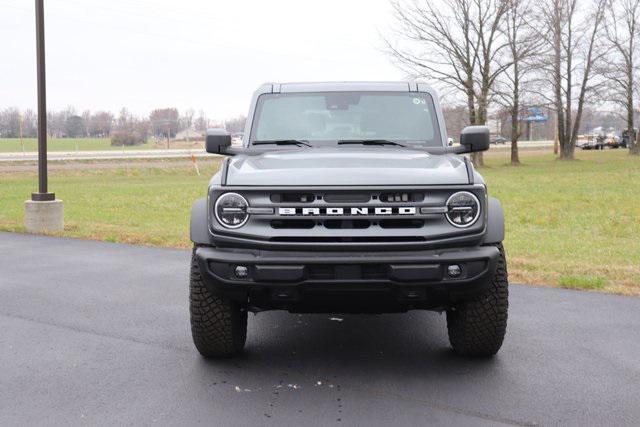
x=347 y=198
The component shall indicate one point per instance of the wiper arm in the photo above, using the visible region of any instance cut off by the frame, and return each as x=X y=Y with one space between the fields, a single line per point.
x=298 y=142
x=369 y=142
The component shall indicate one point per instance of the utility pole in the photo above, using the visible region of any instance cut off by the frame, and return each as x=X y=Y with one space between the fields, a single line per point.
x=43 y=212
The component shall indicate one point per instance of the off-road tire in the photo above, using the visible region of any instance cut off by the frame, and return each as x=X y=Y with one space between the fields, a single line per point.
x=218 y=325
x=477 y=327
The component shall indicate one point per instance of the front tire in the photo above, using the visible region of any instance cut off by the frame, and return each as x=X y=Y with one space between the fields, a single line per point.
x=478 y=327
x=218 y=325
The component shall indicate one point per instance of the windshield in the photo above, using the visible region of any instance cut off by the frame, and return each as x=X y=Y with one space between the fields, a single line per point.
x=327 y=117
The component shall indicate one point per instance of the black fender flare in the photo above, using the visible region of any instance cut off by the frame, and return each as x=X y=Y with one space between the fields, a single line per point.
x=199 y=228
x=495 y=222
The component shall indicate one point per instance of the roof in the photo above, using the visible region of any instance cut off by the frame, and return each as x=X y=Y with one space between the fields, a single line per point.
x=395 y=86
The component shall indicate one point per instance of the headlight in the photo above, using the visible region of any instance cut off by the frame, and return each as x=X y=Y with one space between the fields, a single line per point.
x=231 y=210
x=463 y=209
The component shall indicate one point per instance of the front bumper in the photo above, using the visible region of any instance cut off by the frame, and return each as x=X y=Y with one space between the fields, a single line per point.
x=347 y=281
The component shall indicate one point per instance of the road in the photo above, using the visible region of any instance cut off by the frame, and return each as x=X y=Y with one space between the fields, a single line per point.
x=176 y=153
x=106 y=155
x=97 y=333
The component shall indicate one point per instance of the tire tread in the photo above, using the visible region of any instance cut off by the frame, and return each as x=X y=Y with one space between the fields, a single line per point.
x=218 y=326
x=478 y=327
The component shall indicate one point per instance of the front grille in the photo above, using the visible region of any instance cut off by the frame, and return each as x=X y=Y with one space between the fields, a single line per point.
x=313 y=210
x=347 y=271
x=346 y=224
x=389 y=215
x=399 y=197
x=292 y=197
x=390 y=239
x=346 y=197
x=292 y=224
x=401 y=223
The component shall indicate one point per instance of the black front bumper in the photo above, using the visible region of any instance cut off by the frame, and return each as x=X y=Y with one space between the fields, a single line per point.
x=347 y=281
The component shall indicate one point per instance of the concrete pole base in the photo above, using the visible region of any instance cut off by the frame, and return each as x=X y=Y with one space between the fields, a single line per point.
x=46 y=216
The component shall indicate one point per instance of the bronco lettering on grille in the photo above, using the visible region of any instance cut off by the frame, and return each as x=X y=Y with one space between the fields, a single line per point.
x=355 y=211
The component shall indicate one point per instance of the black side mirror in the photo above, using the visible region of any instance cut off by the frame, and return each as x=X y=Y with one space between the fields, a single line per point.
x=218 y=141
x=474 y=138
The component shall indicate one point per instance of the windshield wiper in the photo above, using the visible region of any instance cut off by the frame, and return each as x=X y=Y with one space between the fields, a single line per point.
x=369 y=142
x=298 y=142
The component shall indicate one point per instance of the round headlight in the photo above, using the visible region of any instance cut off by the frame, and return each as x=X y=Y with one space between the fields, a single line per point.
x=463 y=209
x=231 y=210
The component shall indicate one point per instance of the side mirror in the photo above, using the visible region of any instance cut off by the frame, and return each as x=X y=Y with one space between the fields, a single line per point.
x=474 y=138
x=218 y=141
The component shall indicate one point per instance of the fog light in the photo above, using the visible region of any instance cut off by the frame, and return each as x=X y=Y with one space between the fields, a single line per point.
x=454 y=270
x=241 y=272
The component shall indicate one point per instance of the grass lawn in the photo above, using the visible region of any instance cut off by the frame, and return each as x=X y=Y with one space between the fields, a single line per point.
x=570 y=224
x=13 y=145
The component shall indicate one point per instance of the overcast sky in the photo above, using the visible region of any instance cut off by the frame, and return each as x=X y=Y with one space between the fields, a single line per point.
x=204 y=54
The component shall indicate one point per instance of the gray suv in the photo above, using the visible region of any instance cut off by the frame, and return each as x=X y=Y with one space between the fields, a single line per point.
x=346 y=198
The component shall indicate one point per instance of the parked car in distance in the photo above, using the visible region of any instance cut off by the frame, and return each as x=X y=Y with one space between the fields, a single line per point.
x=499 y=140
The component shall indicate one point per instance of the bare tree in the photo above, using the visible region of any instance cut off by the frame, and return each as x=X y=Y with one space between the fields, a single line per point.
x=86 y=117
x=572 y=37
x=513 y=84
x=10 y=123
x=235 y=124
x=164 y=122
x=622 y=23
x=456 y=43
x=101 y=123
x=456 y=118
x=186 y=120
x=201 y=123
x=129 y=130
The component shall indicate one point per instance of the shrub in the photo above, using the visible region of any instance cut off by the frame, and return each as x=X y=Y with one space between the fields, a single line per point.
x=128 y=137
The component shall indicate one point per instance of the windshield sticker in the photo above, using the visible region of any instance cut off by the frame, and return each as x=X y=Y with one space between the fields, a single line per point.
x=419 y=101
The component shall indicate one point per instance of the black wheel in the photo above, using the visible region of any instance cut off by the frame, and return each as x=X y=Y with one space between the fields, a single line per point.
x=218 y=326
x=477 y=327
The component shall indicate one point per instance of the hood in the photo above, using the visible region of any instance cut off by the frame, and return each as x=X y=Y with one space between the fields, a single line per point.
x=340 y=166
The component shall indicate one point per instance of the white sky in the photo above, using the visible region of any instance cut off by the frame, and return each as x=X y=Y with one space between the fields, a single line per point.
x=204 y=54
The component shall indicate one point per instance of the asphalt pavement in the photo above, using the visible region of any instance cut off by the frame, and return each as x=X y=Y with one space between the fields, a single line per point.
x=98 y=333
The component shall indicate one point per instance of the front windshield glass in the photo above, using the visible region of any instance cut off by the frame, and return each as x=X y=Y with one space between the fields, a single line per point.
x=328 y=117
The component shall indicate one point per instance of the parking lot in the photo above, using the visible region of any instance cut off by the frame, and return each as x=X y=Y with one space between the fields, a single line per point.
x=98 y=333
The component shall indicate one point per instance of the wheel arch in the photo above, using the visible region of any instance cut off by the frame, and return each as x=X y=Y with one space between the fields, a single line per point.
x=495 y=222
x=199 y=227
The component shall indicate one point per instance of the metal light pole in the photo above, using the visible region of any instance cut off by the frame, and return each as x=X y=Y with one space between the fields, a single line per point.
x=43 y=212
x=42 y=194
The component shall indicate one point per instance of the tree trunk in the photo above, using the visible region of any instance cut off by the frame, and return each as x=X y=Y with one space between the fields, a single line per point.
x=515 y=129
x=566 y=147
x=557 y=76
x=631 y=139
x=474 y=116
x=481 y=119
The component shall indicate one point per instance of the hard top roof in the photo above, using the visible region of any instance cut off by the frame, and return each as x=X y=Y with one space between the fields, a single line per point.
x=397 y=86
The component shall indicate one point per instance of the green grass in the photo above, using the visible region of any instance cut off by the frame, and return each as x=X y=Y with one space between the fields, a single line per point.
x=573 y=224
x=582 y=282
x=13 y=145
x=142 y=206
x=571 y=219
